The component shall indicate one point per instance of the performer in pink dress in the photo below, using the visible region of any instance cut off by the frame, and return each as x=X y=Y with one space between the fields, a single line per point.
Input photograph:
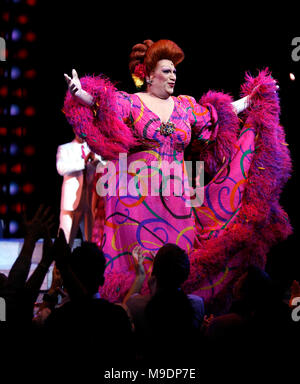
x=148 y=136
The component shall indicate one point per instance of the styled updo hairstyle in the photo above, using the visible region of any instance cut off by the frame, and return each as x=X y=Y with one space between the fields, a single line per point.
x=162 y=49
x=147 y=54
x=138 y=54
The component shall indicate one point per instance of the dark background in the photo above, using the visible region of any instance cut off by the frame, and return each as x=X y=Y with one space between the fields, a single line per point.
x=220 y=44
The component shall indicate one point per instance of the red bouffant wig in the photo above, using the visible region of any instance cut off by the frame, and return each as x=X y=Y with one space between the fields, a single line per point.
x=150 y=53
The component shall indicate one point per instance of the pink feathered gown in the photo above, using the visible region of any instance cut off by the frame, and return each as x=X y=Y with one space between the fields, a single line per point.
x=240 y=218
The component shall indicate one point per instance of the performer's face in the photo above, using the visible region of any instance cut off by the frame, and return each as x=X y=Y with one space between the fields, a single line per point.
x=163 y=79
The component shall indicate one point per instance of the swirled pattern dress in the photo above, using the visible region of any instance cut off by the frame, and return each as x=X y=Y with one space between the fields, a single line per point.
x=144 y=190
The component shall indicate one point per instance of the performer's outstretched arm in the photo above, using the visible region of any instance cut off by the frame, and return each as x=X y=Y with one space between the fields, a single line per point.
x=75 y=88
x=241 y=104
x=100 y=114
x=87 y=99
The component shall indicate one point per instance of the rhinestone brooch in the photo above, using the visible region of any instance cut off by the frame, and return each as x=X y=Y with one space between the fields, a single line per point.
x=166 y=129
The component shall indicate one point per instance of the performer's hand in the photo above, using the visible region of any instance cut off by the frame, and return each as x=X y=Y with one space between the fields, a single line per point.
x=76 y=90
x=73 y=83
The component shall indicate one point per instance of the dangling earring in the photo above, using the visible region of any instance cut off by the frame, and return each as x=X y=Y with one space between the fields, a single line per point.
x=149 y=82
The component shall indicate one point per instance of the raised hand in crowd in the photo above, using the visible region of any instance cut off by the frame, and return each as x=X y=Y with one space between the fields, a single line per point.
x=35 y=281
x=139 y=257
x=61 y=255
x=19 y=294
x=140 y=274
x=39 y=226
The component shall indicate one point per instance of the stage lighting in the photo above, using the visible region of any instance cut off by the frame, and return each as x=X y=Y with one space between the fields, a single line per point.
x=18 y=207
x=17 y=169
x=292 y=77
x=29 y=111
x=13 y=188
x=3 y=209
x=13 y=227
x=30 y=74
x=14 y=110
x=3 y=169
x=22 y=19
x=28 y=188
x=17 y=90
x=13 y=149
x=20 y=92
x=3 y=131
x=4 y=91
x=19 y=131
x=5 y=16
x=29 y=150
x=15 y=73
x=16 y=34
x=30 y=37
x=22 y=54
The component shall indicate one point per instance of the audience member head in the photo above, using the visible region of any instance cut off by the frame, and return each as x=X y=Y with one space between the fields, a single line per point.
x=88 y=263
x=169 y=314
x=171 y=268
x=254 y=287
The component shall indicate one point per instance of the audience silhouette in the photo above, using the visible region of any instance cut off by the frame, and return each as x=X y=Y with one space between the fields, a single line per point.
x=168 y=317
x=166 y=326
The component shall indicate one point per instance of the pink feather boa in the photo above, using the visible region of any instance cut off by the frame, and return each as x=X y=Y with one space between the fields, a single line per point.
x=222 y=149
x=261 y=221
x=108 y=134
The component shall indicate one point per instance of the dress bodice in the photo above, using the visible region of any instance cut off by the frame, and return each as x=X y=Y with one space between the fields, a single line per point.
x=149 y=126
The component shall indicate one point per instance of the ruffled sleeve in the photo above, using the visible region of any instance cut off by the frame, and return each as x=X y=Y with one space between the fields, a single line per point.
x=214 y=130
x=203 y=119
x=106 y=129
